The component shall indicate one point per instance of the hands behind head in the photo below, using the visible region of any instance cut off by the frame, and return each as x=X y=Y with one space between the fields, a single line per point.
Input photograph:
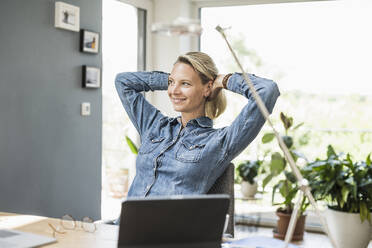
x=216 y=87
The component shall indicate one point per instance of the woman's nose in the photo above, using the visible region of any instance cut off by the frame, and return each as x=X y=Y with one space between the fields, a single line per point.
x=175 y=89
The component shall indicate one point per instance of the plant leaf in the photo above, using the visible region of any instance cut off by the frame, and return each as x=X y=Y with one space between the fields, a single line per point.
x=266 y=180
x=344 y=192
x=298 y=125
x=274 y=190
x=131 y=145
x=363 y=211
x=368 y=160
x=330 y=151
x=268 y=137
x=287 y=121
x=277 y=164
x=290 y=176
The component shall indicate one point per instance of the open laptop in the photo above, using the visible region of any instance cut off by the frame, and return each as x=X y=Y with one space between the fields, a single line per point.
x=14 y=239
x=195 y=221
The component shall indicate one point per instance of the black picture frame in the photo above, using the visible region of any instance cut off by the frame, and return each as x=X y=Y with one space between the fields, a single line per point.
x=89 y=41
x=91 y=77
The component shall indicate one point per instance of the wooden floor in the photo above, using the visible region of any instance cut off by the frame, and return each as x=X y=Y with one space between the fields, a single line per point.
x=311 y=240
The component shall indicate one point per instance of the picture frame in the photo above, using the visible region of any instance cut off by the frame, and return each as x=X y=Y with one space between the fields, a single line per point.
x=89 y=41
x=67 y=16
x=91 y=77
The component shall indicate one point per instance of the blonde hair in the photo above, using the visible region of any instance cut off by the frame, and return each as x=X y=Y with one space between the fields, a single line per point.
x=207 y=70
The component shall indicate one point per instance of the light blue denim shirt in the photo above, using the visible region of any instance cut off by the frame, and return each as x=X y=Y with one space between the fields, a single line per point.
x=174 y=160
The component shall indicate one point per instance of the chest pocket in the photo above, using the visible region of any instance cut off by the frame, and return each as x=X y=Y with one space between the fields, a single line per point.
x=189 y=151
x=149 y=144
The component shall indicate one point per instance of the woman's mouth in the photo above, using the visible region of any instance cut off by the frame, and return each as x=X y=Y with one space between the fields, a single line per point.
x=177 y=100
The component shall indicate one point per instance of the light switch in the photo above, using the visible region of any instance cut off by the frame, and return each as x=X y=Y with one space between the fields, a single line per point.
x=85 y=108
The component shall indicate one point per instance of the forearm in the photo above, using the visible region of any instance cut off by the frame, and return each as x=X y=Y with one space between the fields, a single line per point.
x=266 y=88
x=250 y=120
x=129 y=86
x=142 y=81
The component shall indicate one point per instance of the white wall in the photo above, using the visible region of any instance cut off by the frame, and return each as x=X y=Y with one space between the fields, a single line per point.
x=165 y=49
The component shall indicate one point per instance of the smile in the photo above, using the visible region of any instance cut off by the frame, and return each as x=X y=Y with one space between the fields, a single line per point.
x=178 y=100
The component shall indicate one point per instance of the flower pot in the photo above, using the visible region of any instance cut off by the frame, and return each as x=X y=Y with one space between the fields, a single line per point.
x=282 y=226
x=248 y=190
x=347 y=229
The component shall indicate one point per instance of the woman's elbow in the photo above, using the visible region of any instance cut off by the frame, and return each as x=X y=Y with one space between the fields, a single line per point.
x=274 y=89
x=271 y=94
x=121 y=77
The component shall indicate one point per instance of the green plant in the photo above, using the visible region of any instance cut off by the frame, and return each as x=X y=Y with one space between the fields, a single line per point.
x=131 y=145
x=248 y=170
x=276 y=161
x=345 y=185
x=287 y=187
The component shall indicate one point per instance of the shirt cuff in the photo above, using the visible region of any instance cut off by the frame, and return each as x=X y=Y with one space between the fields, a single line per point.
x=237 y=84
x=158 y=80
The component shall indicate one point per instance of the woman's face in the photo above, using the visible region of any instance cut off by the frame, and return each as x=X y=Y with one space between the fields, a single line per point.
x=186 y=91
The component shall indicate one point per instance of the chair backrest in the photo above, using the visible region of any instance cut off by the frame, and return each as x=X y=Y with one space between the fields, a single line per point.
x=225 y=185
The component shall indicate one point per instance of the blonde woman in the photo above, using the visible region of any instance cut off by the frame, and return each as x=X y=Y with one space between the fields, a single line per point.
x=185 y=155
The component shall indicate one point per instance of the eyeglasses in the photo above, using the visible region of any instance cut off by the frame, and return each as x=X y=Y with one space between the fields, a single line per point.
x=68 y=222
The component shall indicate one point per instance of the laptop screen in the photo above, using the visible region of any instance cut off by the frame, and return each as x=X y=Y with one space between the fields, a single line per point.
x=173 y=220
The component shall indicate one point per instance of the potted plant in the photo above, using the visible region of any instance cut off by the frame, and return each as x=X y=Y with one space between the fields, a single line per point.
x=288 y=189
x=286 y=184
x=346 y=187
x=247 y=171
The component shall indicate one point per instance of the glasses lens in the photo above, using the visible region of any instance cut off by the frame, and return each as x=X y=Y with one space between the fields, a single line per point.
x=88 y=224
x=68 y=222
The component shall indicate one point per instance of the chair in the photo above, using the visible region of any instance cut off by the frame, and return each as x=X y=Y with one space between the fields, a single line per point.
x=225 y=185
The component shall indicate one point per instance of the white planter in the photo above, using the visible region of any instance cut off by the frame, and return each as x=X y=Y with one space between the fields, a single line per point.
x=347 y=229
x=248 y=190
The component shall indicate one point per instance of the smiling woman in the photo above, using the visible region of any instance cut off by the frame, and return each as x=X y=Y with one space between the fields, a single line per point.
x=185 y=155
x=191 y=83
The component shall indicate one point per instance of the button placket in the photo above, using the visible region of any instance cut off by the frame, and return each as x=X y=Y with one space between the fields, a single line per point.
x=180 y=132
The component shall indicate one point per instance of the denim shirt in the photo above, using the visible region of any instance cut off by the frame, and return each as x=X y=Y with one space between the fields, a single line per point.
x=175 y=161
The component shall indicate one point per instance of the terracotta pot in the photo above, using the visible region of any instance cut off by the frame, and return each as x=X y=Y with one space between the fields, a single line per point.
x=248 y=190
x=283 y=223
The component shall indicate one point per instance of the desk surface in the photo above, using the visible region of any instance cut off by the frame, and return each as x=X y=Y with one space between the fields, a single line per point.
x=105 y=236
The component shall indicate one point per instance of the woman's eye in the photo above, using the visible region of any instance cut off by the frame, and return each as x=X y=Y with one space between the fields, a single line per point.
x=186 y=83
x=170 y=82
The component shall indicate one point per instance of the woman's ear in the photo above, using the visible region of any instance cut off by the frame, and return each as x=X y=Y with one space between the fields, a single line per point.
x=208 y=89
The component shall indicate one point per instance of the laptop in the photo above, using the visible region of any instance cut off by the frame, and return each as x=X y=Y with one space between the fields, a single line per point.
x=14 y=239
x=195 y=221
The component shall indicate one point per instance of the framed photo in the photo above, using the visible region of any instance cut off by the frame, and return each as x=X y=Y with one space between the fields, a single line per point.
x=89 y=41
x=67 y=16
x=91 y=77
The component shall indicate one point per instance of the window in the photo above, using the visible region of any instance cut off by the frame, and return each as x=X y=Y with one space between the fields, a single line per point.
x=320 y=64
x=123 y=49
x=319 y=54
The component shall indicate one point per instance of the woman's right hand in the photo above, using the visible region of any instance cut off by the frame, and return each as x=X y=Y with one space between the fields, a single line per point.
x=217 y=87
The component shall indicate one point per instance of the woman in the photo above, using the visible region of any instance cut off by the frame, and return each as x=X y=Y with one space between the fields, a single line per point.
x=185 y=155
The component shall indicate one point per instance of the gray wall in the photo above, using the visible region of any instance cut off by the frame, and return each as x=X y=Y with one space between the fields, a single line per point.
x=50 y=156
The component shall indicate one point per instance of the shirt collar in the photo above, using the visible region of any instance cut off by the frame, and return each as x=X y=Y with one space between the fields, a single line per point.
x=201 y=121
x=173 y=120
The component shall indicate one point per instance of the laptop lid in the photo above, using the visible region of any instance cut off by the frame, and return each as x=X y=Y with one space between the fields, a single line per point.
x=14 y=238
x=173 y=221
